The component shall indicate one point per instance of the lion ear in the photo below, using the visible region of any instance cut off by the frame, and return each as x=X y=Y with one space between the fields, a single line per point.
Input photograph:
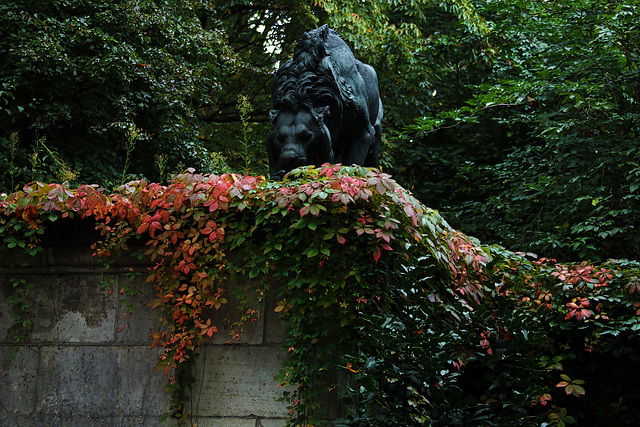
x=319 y=113
x=273 y=115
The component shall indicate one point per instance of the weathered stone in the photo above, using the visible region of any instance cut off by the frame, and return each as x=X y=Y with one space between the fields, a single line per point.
x=271 y=422
x=72 y=308
x=250 y=333
x=136 y=321
x=239 y=381
x=241 y=422
x=18 y=377
x=84 y=363
x=17 y=257
x=99 y=381
x=228 y=422
x=6 y=310
x=67 y=308
x=58 y=420
x=79 y=259
x=274 y=331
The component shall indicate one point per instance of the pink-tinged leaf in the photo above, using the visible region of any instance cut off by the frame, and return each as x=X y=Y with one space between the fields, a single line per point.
x=142 y=228
x=49 y=205
x=345 y=198
x=408 y=210
x=304 y=211
x=584 y=313
x=341 y=239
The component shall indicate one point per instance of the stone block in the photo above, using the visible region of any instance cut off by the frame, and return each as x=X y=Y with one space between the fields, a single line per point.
x=76 y=258
x=17 y=257
x=271 y=422
x=239 y=381
x=225 y=422
x=80 y=259
x=63 y=308
x=84 y=363
x=6 y=310
x=72 y=309
x=65 y=420
x=100 y=381
x=136 y=326
x=240 y=422
x=224 y=319
x=274 y=327
x=251 y=332
x=141 y=389
x=18 y=378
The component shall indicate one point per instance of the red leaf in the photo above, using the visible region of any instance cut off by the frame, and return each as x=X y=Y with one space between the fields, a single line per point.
x=376 y=254
x=213 y=206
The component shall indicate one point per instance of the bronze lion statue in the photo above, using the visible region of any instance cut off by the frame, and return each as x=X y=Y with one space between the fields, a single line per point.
x=326 y=107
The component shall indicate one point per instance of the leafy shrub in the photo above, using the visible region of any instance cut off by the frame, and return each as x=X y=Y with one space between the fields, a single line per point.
x=550 y=343
x=410 y=321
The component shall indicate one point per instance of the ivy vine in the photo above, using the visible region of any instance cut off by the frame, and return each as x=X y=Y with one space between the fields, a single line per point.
x=340 y=247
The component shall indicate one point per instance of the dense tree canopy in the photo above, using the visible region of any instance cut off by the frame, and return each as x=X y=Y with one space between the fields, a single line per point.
x=543 y=151
x=82 y=79
x=518 y=120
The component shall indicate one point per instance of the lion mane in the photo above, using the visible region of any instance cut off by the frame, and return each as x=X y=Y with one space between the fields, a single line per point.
x=308 y=80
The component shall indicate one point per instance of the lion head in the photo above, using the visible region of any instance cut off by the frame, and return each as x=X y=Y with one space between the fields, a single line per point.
x=297 y=138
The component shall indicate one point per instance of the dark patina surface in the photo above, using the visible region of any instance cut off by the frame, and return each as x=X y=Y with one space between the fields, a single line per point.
x=325 y=107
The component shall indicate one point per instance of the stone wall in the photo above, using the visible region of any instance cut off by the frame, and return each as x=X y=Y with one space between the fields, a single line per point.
x=86 y=363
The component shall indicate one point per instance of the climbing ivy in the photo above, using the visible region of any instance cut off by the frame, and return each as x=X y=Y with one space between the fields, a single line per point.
x=383 y=304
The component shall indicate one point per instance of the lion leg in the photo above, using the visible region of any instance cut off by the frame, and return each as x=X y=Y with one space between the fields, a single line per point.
x=372 y=154
x=359 y=148
x=371 y=161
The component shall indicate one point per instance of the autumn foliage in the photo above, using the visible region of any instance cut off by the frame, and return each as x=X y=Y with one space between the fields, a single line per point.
x=428 y=326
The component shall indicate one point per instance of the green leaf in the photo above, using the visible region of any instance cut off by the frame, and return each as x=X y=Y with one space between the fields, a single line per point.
x=310 y=252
